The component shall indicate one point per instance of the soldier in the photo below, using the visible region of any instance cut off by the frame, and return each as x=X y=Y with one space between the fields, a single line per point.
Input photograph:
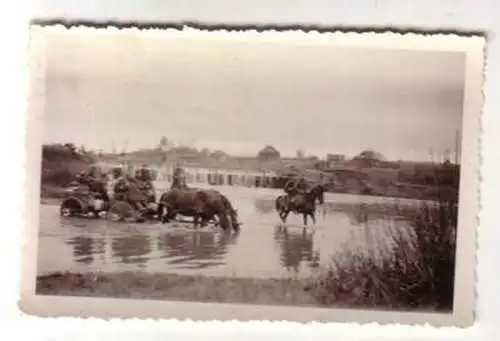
x=95 y=180
x=145 y=183
x=126 y=189
x=296 y=185
x=179 y=178
x=80 y=188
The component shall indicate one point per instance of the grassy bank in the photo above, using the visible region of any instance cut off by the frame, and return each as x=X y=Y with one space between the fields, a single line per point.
x=141 y=285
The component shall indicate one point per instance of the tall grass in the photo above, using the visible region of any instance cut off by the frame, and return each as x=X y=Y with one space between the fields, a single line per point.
x=418 y=272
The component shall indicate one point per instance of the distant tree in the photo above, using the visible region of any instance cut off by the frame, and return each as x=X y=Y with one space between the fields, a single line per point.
x=205 y=151
x=82 y=150
x=369 y=158
x=268 y=153
x=71 y=147
x=300 y=154
x=163 y=143
x=219 y=155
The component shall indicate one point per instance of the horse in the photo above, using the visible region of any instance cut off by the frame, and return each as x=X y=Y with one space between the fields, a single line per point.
x=300 y=203
x=222 y=203
x=204 y=204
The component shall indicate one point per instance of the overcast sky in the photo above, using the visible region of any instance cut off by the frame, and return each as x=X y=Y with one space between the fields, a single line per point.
x=239 y=96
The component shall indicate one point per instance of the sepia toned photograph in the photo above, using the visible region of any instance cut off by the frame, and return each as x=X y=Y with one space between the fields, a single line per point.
x=242 y=175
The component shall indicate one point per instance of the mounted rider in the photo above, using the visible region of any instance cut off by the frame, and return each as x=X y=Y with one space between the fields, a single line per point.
x=179 y=178
x=296 y=185
x=144 y=180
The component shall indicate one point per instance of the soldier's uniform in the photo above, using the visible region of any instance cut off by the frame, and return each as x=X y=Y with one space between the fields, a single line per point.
x=145 y=184
x=125 y=189
x=295 y=186
x=179 y=179
x=95 y=181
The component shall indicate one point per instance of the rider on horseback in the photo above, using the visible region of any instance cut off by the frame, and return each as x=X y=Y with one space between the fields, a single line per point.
x=179 y=179
x=296 y=185
x=144 y=181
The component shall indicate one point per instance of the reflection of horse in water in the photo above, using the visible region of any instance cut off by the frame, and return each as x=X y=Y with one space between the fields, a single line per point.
x=300 y=202
x=295 y=247
x=195 y=249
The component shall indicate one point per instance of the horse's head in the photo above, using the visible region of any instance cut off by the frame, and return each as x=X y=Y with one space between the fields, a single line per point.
x=317 y=192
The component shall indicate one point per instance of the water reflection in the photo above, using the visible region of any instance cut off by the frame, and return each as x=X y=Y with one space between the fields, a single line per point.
x=195 y=249
x=133 y=248
x=296 y=247
x=359 y=226
x=264 y=205
x=85 y=248
x=359 y=214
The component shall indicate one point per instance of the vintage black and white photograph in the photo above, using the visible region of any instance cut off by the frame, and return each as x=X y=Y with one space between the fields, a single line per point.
x=317 y=174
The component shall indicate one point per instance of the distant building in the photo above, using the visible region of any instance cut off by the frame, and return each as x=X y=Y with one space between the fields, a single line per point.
x=334 y=160
x=196 y=175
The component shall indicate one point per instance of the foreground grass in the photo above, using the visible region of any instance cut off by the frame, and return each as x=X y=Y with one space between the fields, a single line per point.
x=155 y=286
x=142 y=285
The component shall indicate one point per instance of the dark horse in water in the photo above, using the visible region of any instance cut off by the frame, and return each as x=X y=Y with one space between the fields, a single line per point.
x=300 y=203
x=201 y=204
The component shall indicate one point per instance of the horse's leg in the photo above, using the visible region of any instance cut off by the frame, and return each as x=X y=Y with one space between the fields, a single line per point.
x=285 y=215
x=281 y=214
x=195 y=221
x=168 y=216
x=305 y=218
x=159 y=211
x=203 y=222
x=313 y=217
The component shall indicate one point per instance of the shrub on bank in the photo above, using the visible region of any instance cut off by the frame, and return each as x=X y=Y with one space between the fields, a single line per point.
x=61 y=163
x=417 y=274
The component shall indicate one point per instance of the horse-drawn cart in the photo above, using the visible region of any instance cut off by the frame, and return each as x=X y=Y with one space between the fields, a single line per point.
x=121 y=210
x=82 y=206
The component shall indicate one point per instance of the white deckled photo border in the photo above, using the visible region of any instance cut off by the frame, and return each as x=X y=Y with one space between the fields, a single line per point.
x=465 y=278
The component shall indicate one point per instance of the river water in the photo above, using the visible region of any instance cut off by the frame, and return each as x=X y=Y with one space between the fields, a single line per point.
x=264 y=248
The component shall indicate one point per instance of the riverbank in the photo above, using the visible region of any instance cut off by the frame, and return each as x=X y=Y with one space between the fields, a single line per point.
x=142 y=285
x=161 y=286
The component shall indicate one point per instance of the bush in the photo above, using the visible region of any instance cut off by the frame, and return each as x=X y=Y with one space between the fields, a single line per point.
x=418 y=272
x=61 y=163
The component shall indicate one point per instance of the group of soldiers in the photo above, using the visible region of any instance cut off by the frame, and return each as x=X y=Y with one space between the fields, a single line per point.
x=137 y=190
